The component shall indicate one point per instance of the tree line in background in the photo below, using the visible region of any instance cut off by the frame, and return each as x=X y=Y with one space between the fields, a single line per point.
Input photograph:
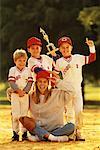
x=21 y=19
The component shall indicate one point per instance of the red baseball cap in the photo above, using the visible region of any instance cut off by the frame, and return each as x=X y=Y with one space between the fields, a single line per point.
x=64 y=39
x=43 y=74
x=33 y=41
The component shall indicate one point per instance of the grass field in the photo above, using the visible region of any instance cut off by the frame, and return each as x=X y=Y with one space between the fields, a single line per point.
x=90 y=130
x=91 y=92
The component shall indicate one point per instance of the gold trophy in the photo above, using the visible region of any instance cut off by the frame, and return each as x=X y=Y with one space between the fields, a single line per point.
x=50 y=46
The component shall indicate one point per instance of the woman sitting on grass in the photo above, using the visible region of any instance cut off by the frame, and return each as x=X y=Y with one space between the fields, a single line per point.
x=47 y=107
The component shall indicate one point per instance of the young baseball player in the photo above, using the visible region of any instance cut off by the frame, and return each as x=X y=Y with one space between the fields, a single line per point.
x=37 y=62
x=71 y=68
x=20 y=81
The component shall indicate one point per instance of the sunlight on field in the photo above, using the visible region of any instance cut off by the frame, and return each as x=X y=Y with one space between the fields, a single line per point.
x=2 y=86
x=92 y=93
x=91 y=132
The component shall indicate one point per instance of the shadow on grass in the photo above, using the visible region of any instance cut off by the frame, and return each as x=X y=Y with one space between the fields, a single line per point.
x=5 y=102
x=88 y=104
x=91 y=102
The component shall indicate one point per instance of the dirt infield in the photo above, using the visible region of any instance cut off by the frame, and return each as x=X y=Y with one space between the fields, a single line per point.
x=91 y=132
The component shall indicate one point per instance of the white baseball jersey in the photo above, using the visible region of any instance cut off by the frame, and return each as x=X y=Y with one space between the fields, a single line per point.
x=21 y=78
x=71 y=68
x=45 y=62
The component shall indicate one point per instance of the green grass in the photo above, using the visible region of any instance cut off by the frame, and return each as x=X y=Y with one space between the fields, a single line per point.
x=91 y=92
x=3 y=87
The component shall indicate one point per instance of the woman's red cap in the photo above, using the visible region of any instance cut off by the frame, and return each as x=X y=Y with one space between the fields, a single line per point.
x=43 y=74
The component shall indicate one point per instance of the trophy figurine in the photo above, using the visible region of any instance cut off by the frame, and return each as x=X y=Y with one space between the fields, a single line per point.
x=50 y=46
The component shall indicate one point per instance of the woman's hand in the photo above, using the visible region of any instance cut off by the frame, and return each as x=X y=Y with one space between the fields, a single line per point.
x=54 y=74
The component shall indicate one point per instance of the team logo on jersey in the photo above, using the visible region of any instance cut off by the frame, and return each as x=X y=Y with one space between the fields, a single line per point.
x=66 y=68
x=17 y=77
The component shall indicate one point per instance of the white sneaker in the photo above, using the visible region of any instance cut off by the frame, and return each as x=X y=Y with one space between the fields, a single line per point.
x=63 y=138
x=33 y=138
x=54 y=138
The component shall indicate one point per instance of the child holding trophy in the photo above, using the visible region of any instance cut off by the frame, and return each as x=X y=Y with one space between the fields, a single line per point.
x=37 y=62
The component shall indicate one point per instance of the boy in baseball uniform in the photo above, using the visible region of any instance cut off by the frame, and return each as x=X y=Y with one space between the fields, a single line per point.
x=70 y=67
x=20 y=81
x=37 y=62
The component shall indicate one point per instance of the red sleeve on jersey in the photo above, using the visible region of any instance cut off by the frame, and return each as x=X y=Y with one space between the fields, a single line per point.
x=85 y=59
x=92 y=58
x=32 y=69
x=30 y=79
x=11 y=78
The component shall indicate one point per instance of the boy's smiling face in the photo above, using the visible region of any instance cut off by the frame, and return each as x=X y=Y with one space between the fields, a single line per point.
x=35 y=51
x=20 y=62
x=65 y=49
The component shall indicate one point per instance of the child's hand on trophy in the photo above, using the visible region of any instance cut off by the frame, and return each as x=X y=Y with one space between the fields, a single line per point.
x=53 y=53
